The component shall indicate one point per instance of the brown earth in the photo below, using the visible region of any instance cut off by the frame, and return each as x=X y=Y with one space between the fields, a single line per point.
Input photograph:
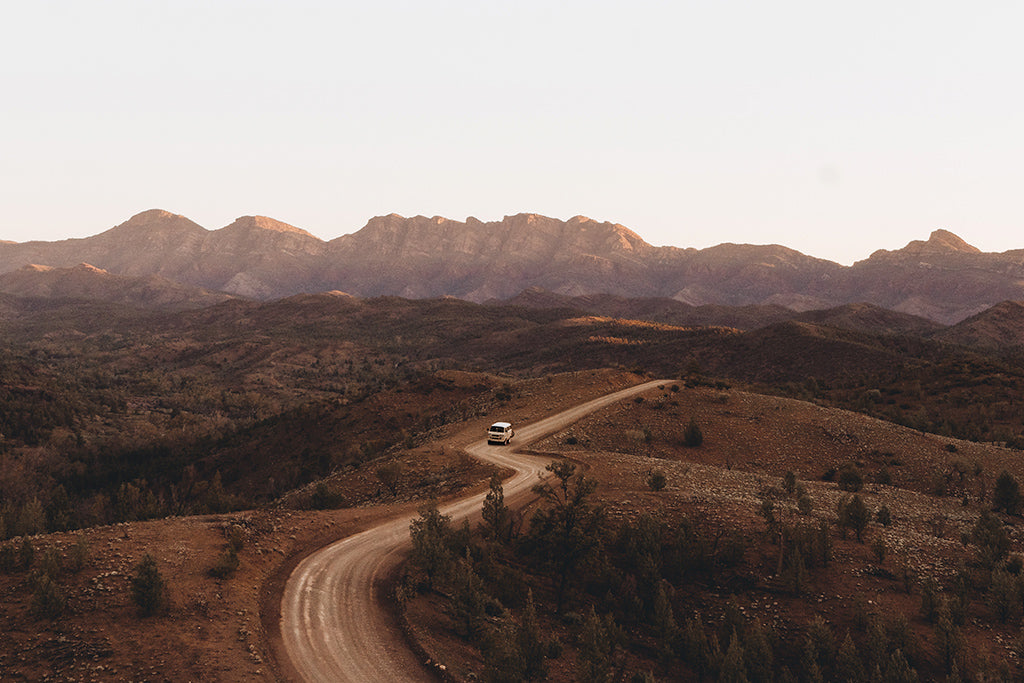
x=750 y=441
x=223 y=630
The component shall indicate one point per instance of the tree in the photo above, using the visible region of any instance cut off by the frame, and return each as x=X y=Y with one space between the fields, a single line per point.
x=665 y=621
x=1006 y=494
x=566 y=531
x=531 y=643
x=496 y=516
x=854 y=514
x=991 y=538
x=733 y=668
x=431 y=533
x=468 y=600
x=148 y=589
x=849 y=667
x=758 y=654
x=596 y=646
x=32 y=518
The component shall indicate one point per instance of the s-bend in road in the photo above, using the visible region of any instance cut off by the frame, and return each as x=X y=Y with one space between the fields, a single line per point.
x=331 y=625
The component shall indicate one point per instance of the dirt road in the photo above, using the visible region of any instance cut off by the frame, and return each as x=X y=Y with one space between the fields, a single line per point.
x=331 y=624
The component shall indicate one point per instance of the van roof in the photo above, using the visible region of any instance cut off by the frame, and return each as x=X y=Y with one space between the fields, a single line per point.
x=502 y=424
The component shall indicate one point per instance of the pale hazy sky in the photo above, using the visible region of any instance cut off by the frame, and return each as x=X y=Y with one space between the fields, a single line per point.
x=833 y=128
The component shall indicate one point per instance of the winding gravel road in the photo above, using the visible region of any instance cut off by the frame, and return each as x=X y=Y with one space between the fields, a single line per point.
x=333 y=628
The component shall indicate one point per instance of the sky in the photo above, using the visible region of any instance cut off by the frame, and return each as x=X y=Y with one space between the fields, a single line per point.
x=832 y=128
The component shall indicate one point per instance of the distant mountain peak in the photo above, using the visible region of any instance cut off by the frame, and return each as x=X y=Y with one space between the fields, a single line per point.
x=941 y=242
x=156 y=221
x=944 y=239
x=151 y=215
x=89 y=268
x=265 y=223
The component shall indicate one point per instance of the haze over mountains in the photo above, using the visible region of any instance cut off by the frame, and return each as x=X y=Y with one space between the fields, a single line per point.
x=943 y=278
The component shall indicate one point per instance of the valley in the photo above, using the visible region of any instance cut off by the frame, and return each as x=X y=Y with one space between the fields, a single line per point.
x=844 y=476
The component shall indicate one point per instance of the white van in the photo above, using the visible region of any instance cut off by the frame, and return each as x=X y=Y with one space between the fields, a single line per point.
x=500 y=432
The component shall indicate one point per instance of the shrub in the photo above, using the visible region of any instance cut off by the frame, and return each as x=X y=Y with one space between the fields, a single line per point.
x=148 y=589
x=226 y=565
x=50 y=563
x=884 y=517
x=78 y=555
x=656 y=480
x=930 y=598
x=390 y=474
x=879 y=549
x=789 y=481
x=47 y=599
x=804 y=504
x=692 y=435
x=1006 y=494
x=236 y=538
x=883 y=476
x=26 y=553
x=324 y=498
x=1004 y=595
x=850 y=478
x=8 y=558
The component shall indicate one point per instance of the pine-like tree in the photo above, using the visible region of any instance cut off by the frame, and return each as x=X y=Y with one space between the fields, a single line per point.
x=496 y=516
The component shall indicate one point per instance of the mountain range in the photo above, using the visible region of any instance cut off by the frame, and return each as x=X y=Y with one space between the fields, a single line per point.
x=942 y=279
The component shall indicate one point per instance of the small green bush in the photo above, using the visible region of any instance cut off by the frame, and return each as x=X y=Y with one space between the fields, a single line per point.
x=147 y=586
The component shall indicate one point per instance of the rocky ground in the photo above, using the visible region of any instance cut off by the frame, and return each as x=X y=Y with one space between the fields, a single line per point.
x=750 y=442
x=225 y=629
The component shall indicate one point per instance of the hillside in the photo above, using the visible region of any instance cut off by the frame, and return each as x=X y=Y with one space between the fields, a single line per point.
x=999 y=327
x=943 y=279
x=116 y=418
x=86 y=282
x=265 y=397
x=221 y=628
